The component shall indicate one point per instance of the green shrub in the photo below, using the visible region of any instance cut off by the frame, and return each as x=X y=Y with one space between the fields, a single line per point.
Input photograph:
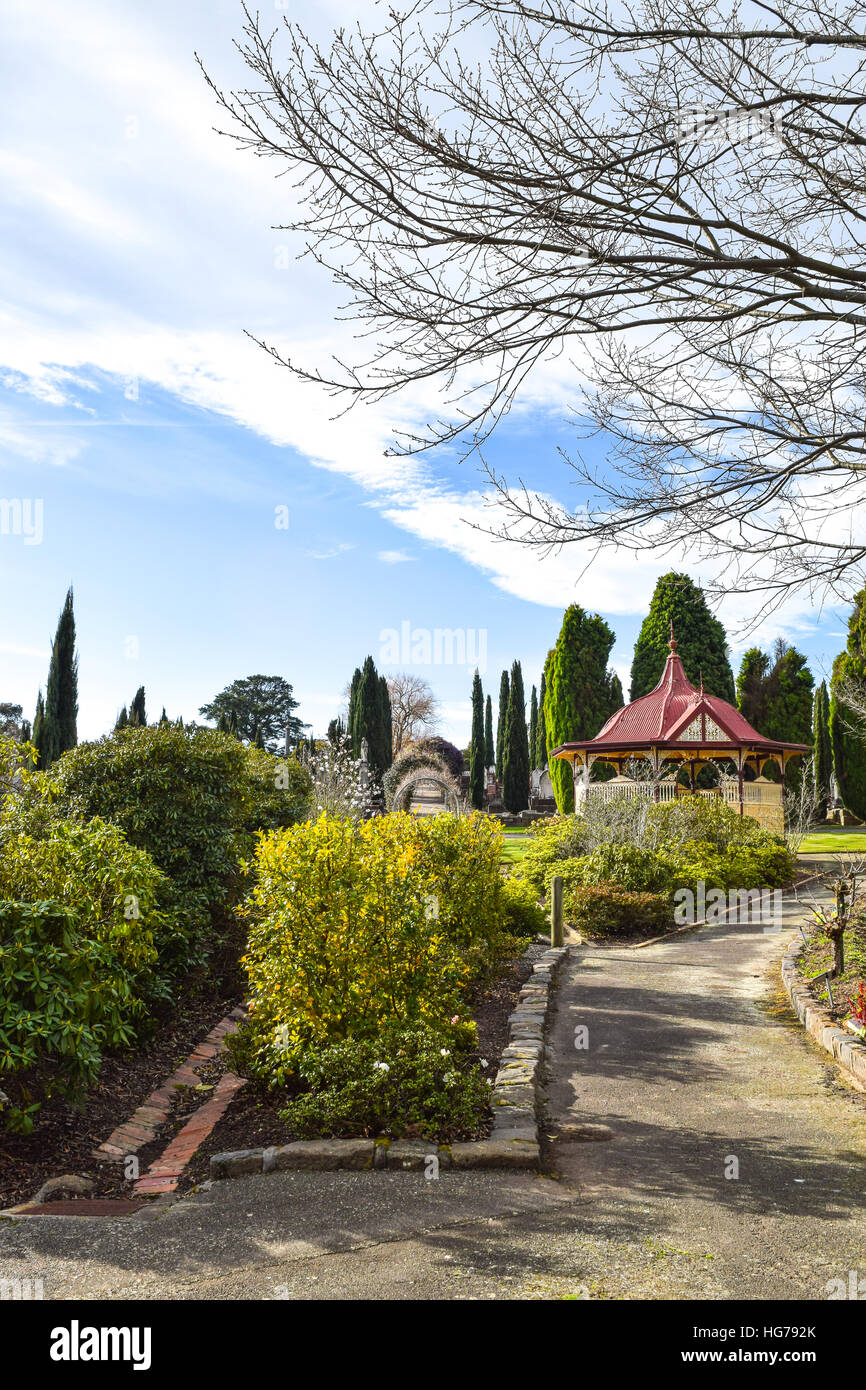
x=65 y=996
x=344 y=936
x=192 y=798
x=606 y=909
x=459 y=857
x=522 y=915
x=114 y=891
x=638 y=870
x=707 y=819
x=408 y=1078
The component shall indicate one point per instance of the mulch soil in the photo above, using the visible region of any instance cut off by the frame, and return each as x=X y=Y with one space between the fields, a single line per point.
x=253 y=1120
x=64 y=1138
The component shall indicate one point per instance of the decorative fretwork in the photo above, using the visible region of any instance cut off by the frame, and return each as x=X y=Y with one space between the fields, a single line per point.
x=714 y=733
x=693 y=733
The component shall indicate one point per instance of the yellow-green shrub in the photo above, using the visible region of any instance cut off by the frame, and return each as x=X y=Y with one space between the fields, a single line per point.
x=344 y=934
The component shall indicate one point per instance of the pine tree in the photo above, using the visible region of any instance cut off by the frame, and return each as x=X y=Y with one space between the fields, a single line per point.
x=701 y=642
x=476 y=745
x=539 y=753
x=489 y=745
x=822 y=751
x=500 y=721
x=849 y=747
x=137 y=711
x=751 y=686
x=515 y=746
x=533 y=726
x=579 y=691
x=60 y=724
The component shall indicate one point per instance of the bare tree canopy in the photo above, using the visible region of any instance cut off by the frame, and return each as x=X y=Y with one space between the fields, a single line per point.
x=679 y=183
x=413 y=709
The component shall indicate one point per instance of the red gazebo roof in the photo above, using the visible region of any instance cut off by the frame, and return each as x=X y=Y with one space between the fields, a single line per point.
x=667 y=717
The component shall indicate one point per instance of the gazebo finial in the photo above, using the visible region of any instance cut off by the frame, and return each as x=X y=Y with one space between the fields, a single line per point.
x=701 y=691
x=673 y=642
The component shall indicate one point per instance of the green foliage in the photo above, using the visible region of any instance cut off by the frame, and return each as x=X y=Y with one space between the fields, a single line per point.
x=415 y=1078
x=66 y=995
x=539 y=751
x=370 y=718
x=138 y=709
x=606 y=909
x=262 y=707
x=489 y=746
x=353 y=926
x=701 y=641
x=500 y=722
x=522 y=915
x=515 y=751
x=476 y=745
x=579 y=691
x=751 y=686
x=57 y=729
x=192 y=798
x=822 y=748
x=533 y=726
x=849 y=747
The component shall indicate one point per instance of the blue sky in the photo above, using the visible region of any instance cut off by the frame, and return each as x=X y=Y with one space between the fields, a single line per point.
x=161 y=442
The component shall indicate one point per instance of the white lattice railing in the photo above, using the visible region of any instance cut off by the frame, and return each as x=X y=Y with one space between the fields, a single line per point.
x=760 y=793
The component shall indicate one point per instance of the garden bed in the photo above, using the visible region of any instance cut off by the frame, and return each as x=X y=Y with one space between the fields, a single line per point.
x=253 y=1121
x=64 y=1138
x=817 y=957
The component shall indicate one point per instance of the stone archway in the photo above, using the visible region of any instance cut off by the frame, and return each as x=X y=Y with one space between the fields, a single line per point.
x=403 y=795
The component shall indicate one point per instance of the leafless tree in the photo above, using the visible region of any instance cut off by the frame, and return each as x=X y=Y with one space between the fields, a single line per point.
x=413 y=709
x=670 y=193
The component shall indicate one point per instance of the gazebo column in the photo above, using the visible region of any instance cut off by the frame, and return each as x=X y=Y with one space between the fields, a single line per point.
x=655 y=766
x=740 y=777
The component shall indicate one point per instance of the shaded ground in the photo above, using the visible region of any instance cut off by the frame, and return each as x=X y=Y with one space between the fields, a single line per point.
x=693 y=1060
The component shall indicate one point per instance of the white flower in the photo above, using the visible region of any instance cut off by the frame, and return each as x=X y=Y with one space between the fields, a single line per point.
x=381 y=1066
x=443 y=1052
x=449 y=1078
x=281 y=1038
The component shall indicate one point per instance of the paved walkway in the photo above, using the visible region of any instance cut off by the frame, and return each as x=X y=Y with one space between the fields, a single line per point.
x=692 y=1059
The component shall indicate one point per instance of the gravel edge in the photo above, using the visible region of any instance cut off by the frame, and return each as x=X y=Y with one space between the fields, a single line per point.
x=846 y=1050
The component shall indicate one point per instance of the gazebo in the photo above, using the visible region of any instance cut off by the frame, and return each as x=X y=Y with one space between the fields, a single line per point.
x=675 y=723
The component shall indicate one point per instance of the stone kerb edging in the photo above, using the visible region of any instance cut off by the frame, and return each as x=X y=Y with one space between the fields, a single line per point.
x=845 y=1049
x=513 y=1142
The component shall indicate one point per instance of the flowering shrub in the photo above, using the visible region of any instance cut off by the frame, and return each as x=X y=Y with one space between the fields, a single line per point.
x=522 y=915
x=418 y=1079
x=339 y=787
x=358 y=924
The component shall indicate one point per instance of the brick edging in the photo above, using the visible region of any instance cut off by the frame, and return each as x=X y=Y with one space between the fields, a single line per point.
x=513 y=1142
x=846 y=1050
x=152 y=1114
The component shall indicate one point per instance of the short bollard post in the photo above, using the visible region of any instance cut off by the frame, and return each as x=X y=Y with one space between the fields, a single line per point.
x=556 y=937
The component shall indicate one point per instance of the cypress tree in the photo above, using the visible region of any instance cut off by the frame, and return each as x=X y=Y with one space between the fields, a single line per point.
x=515 y=749
x=60 y=729
x=579 y=691
x=137 y=711
x=163 y=718
x=386 y=725
x=751 y=686
x=476 y=745
x=822 y=752
x=701 y=641
x=533 y=726
x=500 y=721
x=849 y=748
x=353 y=710
x=371 y=717
x=38 y=738
x=540 y=751
x=489 y=745
x=122 y=721
x=26 y=731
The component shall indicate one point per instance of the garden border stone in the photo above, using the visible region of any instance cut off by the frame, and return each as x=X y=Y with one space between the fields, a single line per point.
x=846 y=1051
x=512 y=1143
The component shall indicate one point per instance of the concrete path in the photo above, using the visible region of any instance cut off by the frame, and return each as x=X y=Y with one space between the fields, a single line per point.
x=694 y=1062
x=692 y=1059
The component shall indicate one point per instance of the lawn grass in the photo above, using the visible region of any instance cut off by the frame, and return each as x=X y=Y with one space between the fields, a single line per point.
x=834 y=841
x=513 y=851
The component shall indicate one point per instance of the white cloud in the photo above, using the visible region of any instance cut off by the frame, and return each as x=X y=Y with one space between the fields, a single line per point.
x=393 y=557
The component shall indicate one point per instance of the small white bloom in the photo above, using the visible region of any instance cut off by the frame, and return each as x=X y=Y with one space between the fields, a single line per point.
x=381 y=1066
x=443 y=1052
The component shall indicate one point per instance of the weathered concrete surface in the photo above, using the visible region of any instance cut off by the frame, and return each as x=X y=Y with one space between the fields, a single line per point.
x=692 y=1058
x=694 y=1062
